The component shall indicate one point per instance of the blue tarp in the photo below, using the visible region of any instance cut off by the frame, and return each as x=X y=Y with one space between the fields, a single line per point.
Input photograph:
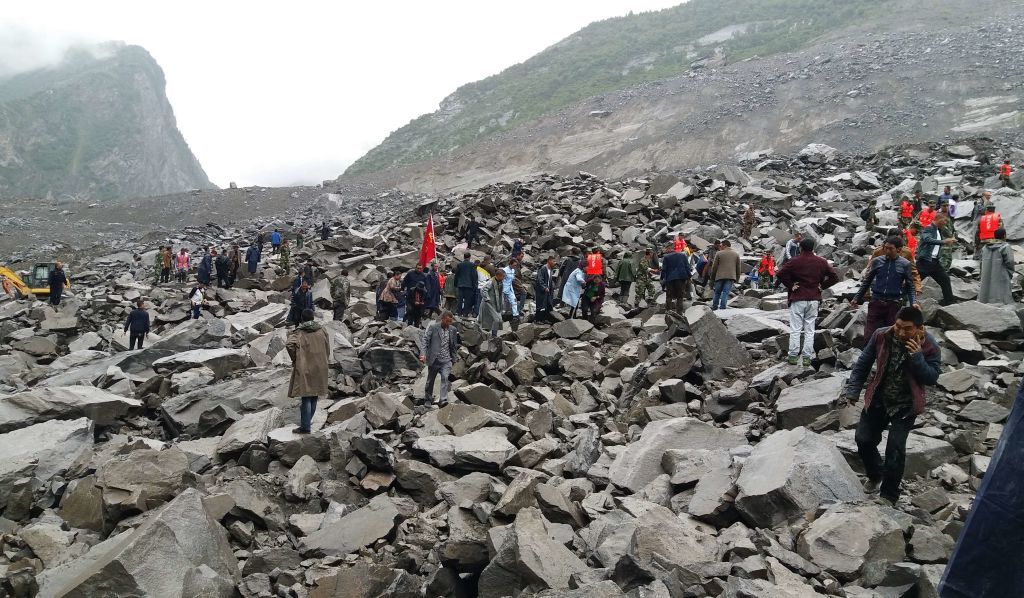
x=988 y=560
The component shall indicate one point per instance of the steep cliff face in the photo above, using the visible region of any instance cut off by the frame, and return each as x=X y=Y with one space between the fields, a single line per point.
x=96 y=126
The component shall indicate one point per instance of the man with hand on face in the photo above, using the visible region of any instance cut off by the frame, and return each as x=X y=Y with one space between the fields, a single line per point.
x=906 y=360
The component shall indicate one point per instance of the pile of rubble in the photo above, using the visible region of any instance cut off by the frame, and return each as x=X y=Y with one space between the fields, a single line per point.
x=652 y=454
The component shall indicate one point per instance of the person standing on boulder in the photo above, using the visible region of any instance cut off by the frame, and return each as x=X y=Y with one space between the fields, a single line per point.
x=1005 y=170
x=440 y=350
x=625 y=274
x=930 y=246
x=749 y=218
x=182 y=263
x=890 y=279
x=906 y=360
x=309 y=346
x=492 y=304
x=286 y=257
x=906 y=212
x=572 y=292
x=166 y=262
x=389 y=296
x=137 y=325
x=996 y=271
x=302 y=299
x=58 y=280
x=341 y=294
x=805 y=276
x=450 y=291
x=234 y=263
x=675 y=279
x=466 y=282
x=325 y=231
x=725 y=271
x=205 y=270
x=544 y=289
x=792 y=247
x=197 y=298
x=222 y=265
x=275 y=241
x=766 y=270
x=252 y=258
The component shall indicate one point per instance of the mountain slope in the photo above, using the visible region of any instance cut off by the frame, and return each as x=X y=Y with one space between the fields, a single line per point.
x=858 y=74
x=96 y=126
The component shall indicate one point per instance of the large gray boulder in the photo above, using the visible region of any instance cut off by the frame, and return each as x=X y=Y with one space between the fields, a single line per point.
x=718 y=347
x=483 y=450
x=158 y=558
x=355 y=530
x=851 y=541
x=983 y=319
x=924 y=453
x=801 y=404
x=142 y=479
x=71 y=402
x=790 y=473
x=43 y=451
x=184 y=413
x=526 y=555
x=221 y=361
x=253 y=428
x=641 y=462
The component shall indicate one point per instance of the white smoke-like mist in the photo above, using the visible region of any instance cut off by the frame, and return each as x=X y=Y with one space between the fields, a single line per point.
x=24 y=49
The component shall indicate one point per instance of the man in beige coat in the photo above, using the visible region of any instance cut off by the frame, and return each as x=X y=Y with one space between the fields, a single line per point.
x=309 y=346
x=725 y=271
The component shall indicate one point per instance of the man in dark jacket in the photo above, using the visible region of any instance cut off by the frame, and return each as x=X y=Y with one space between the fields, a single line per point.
x=222 y=265
x=804 y=277
x=906 y=360
x=302 y=299
x=675 y=278
x=725 y=271
x=929 y=253
x=325 y=231
x=205 y=272
x=472 y=231
x=890 y=279
x=544 y=289
x=58 y=280
x=440 y=350
x=137 y=325
x=466 y=283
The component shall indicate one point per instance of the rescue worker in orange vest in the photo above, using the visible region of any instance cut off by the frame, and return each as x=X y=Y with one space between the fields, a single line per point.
x=594 y=263
x=988 y=224
x=911 y=233
x=679 y=245
x=1005 y=170
x=906 y=212
x=927 y=216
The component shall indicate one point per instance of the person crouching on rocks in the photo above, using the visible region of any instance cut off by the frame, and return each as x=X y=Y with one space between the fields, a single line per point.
x=309 y=346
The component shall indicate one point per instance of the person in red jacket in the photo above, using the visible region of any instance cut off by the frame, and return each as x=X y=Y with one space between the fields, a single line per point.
x=927 y=216
x=679 y=245
x=766 y=270
x=906 y=212
x=593 y=263
x=911 y=234
x=804 y=277
x=989 y=223
x=1005 y=170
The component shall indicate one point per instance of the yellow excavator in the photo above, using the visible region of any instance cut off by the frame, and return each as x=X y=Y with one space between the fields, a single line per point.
x=35 y=282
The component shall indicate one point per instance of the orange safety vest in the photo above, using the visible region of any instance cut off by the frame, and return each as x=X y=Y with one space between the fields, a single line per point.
x=911 y=242
x=988 y=225
x=767 y=266
x=679 y=245
x=906 y=209
x=595 y=264
x=926 y=217
x=1005 y=170
x=182 y=261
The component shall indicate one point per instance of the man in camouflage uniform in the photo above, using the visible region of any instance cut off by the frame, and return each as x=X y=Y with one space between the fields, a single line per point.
x=341 y=294
x=644 y=285
x=948 y=232
x=158 y=264
x=748 y=222
x=299 y=241
x=286 y=254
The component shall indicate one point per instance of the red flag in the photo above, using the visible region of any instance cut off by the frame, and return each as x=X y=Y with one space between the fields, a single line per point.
x=429 y=250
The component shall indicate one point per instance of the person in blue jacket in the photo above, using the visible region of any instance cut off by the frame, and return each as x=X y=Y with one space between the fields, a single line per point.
x=275 y=241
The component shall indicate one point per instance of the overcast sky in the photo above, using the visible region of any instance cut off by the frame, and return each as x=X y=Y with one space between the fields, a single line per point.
x=274 y=93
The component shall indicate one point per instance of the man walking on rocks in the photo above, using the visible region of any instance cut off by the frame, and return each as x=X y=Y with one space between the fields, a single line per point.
x=252 y=258
x=905 y=252
x=748 y=222
x=341 y=294
x=197 y=298
x=182 y=263
x=302 y=299
x=205 y=271
x=286 y=256
x=222 y=265
x=890 y=279
x=166 y=262
x=389 y=296
x=725 y=271
x=466 y=282
x=440 y=350
x=275 y=241
x=906 y=360
x=544 y=289
x=805 y=276
x=644 y=284
x=58 y=280
x=492 y=304
x=158 y=264
x=309 y=346
x=928 y=264
x=675 y=278
x=625 y=274
x=472 y=231
x=996 y=271
x=137 y=325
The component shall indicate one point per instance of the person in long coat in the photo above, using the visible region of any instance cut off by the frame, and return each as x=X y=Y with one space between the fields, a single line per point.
x=544 y=289
x=302 y=299
x=492 y=304
x=432 y=283
x=569 y=265
x=309 y=346
x=58 y=280
x=205 y=272
x=996 y=271
x=573 y=290
x=625 y=273
x=252 y=258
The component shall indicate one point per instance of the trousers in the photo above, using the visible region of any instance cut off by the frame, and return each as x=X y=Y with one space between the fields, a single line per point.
x=135 y=338
x=306 y=409
x=464 y=296
x=934 y=269
x=802 y=316
x=881 y=313
x=721 y=297
x=873 y=422
x=444 y=369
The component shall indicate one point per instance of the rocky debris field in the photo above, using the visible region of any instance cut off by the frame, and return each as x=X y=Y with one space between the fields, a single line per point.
x=654 y=454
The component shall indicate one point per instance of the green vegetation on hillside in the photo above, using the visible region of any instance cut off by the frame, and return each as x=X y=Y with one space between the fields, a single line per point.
x=610 y=55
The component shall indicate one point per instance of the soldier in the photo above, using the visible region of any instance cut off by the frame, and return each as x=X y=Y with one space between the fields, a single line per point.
x=286 y=253
x=341 y=294
x=158 y=264
x=299 y=240
x=644 y=284
x=748 y=222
